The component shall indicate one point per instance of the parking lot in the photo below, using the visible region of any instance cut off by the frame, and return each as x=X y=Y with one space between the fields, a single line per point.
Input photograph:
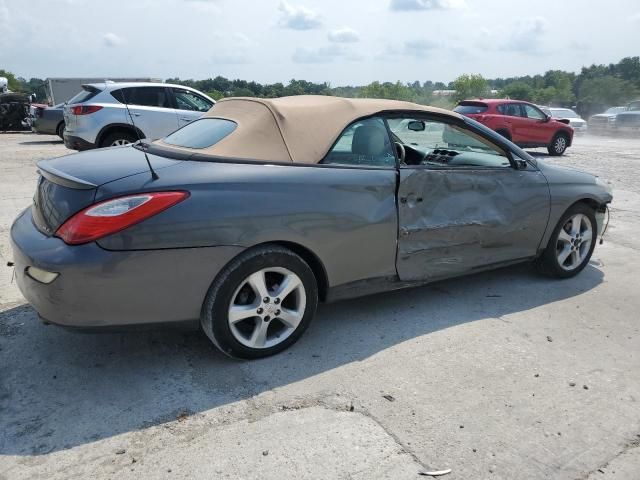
x=501 y=375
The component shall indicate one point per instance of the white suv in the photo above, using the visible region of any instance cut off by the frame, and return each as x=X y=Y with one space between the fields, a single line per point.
x=98 y=117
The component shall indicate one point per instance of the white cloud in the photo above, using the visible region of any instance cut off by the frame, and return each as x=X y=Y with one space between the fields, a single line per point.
x=412 y=5
x=231 y=49
x=527 y=35
x=298 y=17
x=325 y=54
x=419 y=48
x=112 y=40
x=344 y=35
x=4 y=17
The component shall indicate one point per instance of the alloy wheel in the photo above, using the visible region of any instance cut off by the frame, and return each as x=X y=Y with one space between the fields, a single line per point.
x=560 y=144
x=267 y=307
x=574 y=242
x=120 y=141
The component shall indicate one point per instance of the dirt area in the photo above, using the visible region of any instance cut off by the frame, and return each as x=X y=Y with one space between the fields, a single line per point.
x=501 y=375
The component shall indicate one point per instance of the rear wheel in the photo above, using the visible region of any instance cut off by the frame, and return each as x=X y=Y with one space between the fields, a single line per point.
x=558 y=145
x=260 y=303
x=121 y=137
x=571 y=244
x=60 y=130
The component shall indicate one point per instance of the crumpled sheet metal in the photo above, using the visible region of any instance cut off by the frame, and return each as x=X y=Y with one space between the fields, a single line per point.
x=452 y=221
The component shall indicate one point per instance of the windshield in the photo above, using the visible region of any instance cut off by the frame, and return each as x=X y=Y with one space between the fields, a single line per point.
x=563 y=113
x=634 y=107
x=431 y=135
x=615 y=110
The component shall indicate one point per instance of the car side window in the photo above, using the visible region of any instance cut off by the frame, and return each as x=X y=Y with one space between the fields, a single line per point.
x=187 y=100
x=363 y=143
x=533 y=113
x=437 y=144
x=510 y=109
x=144 y=96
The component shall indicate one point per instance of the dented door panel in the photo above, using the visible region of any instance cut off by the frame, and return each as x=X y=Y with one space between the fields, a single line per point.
x=452 y=221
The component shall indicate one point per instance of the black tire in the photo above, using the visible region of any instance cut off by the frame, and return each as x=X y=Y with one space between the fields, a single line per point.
x=120 y=135
x=215 y=310
x=504 y=133
x=548 y=263
x=559 y=144
x=60 y=130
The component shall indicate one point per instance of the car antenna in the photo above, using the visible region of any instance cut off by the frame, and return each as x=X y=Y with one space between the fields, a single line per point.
x=154 y=175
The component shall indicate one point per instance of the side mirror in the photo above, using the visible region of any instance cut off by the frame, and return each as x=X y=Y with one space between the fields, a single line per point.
x=547 y=118
x=521 y=164
x=416 y=126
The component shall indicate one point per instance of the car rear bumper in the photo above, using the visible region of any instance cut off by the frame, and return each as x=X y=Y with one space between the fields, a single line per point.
x=101 y=288
x=77 y=143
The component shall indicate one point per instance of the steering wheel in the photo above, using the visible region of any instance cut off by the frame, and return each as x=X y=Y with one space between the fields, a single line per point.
x=401 y=152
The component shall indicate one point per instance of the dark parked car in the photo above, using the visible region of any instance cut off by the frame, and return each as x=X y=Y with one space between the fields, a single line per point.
x=629 y=121
x=49 y=120
x=605 y=122
x=524 y=123
x=246 y=218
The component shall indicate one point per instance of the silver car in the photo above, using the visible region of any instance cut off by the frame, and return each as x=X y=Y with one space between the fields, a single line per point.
x=108 y=114
x=576 y=122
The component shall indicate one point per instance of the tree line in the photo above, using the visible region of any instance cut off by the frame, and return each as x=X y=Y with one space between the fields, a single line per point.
x=593 y=89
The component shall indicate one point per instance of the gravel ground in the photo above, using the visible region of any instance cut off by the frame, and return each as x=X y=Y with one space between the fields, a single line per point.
x=502 y=375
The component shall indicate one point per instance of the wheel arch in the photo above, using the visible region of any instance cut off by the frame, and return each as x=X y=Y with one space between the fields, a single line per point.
x=61 y=122
x=314 y=262
x=505 y=132
x=591 y=202
x=567 y=133
x=114 y=127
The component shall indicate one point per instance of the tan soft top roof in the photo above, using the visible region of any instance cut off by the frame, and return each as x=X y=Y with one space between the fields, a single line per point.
x=299 y=129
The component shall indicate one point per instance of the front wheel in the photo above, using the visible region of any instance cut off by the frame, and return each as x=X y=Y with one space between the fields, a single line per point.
x=260 y=303
x=558 y=145
x=571 y=244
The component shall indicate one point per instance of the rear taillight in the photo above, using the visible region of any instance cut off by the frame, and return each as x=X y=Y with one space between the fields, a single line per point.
x=85 y=109
x=114 y=215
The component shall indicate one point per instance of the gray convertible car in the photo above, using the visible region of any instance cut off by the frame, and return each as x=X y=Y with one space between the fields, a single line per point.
x=245 y=219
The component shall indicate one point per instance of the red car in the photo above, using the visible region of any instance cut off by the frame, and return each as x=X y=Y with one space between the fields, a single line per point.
x=521 y=122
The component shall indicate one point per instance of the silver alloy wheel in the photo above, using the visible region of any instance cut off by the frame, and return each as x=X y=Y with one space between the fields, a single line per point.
x=560 y=145
x=120 y=141
x=267 y=307
x=574 y=242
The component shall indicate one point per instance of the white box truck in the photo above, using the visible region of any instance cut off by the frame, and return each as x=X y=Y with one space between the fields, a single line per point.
x=59 y=90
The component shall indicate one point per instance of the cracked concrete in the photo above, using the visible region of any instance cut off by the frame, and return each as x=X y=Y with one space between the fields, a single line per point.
x=476 y=384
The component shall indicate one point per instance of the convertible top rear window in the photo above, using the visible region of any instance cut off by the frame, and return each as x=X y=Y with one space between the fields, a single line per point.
x=202 y=133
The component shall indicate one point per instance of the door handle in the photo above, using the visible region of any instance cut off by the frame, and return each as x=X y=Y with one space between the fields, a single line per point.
x=186 y=119
x=136 y=114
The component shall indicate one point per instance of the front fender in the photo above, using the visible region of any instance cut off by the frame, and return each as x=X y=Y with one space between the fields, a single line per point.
x=568 y=186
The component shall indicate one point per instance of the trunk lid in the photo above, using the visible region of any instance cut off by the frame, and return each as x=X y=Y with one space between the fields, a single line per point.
x=68 y=184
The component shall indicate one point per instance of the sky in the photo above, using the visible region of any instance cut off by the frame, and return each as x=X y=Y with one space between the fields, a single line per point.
x=343 y=42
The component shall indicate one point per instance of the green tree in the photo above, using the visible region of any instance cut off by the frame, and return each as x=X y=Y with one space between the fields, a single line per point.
x=518 y=91
x=215 y=94
x=470 y=86
x=13 y=82
x=606 y=90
